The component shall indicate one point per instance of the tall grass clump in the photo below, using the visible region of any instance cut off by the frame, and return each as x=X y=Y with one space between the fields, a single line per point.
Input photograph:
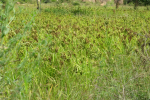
x=21 y=61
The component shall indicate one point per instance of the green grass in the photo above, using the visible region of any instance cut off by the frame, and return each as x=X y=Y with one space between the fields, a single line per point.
x=97 y=53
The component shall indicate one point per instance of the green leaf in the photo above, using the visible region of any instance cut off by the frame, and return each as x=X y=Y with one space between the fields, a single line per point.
x=5 y=31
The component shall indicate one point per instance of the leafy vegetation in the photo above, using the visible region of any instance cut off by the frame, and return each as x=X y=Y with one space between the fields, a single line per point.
x=74 y=52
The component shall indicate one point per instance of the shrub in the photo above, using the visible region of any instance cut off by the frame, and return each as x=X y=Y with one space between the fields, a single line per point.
x=4 y=1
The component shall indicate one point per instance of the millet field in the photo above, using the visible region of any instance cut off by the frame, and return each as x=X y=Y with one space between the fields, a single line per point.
x=74 y=52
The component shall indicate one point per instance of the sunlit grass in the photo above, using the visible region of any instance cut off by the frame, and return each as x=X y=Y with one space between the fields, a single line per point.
x=96 y=53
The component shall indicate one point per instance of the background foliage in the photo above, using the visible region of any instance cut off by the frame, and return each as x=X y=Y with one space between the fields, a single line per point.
x=140 y=2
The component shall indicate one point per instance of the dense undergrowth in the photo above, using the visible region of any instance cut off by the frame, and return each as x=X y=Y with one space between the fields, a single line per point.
x=82 y=53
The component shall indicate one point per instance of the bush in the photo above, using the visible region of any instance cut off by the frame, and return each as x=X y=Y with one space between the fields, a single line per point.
x=46 y=1
x=4 y=1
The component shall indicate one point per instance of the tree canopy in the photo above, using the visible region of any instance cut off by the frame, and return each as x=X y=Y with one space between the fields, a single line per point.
x=145 y=2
